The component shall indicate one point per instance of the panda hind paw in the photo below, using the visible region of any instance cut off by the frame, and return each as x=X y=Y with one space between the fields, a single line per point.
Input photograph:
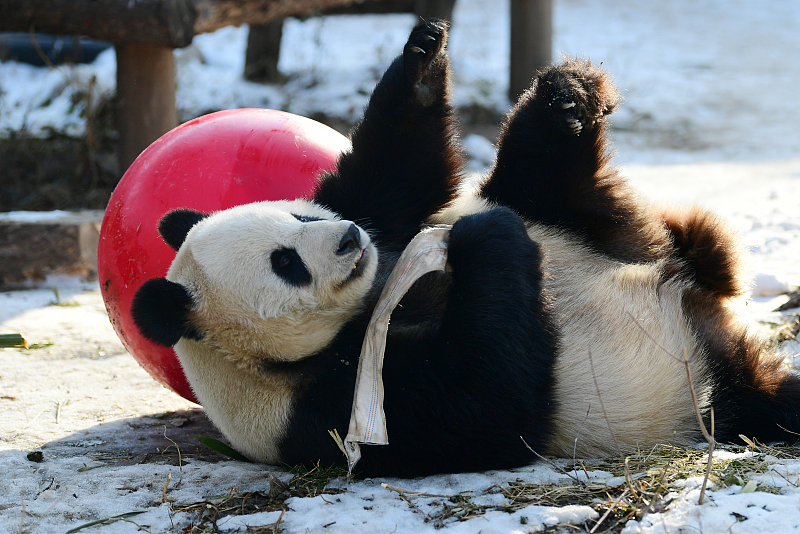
x=578 y=94
x=424 y=47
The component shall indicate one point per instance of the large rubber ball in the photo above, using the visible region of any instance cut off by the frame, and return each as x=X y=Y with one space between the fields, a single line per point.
x=211 y=163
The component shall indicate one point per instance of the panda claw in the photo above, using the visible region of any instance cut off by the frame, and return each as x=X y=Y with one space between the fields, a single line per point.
x=574 y=126
x=429 y=37
x=416 y=49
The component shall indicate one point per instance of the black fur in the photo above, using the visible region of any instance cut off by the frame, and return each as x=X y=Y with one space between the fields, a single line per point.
x=483 y=365
x=553 y=166
x=288 y=264
x=405 y=164
x=406 y=161
x=161 y=310
x=497 y=365
x=174 y=226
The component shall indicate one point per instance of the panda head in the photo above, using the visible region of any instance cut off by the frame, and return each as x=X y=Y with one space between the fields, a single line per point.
x=263 y=281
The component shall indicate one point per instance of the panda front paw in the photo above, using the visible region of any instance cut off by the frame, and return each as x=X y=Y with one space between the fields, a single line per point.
x=421 y=57
x=577 y=93
x=496 y=238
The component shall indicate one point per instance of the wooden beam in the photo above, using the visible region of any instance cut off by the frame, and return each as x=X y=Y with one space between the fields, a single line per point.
x=170 y=23
x=214 y=14
x=146 y=97
x=531 y=42
x=158 y=22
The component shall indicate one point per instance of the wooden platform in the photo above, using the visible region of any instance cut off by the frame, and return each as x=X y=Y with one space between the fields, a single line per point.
x=35 y=245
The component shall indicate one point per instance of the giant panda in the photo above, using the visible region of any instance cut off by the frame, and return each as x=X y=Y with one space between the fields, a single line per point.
x=559 y=327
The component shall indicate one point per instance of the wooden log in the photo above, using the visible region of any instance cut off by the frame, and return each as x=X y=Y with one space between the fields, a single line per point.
x=146 y=97
x=170 y=23
x=214 y=14
x=158 y=22
x=531 y=42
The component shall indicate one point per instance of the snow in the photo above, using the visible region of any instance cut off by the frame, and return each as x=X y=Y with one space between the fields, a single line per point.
x=711 y=96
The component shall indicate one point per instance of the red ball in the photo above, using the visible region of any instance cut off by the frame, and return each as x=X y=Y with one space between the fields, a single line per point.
x=211 y=163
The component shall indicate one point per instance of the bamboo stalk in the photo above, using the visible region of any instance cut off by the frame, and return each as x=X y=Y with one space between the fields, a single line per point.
x=8 y=341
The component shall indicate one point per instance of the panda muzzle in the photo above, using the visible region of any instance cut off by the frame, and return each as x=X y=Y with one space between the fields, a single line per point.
x=350 y=242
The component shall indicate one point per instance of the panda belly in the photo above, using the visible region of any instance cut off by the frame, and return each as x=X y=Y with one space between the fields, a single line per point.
x=614 y=319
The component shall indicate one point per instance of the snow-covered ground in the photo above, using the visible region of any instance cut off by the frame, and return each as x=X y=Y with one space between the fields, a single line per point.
x=709 y=118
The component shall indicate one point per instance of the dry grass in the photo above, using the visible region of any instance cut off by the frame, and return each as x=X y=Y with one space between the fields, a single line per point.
x=654 y=474
x=646 y=485
x=305 y=483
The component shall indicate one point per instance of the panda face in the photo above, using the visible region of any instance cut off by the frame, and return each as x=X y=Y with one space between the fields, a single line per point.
x=273 y=279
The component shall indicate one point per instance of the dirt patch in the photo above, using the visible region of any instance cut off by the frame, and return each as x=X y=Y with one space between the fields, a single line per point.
x=61 y=172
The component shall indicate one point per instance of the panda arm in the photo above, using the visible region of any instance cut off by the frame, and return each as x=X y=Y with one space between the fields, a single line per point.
x=487 y=377
x=406 y=159
x=496 y=298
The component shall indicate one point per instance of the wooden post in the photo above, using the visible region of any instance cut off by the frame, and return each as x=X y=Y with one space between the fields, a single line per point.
x=531 y=42
x=146 y=97
x=263 y=52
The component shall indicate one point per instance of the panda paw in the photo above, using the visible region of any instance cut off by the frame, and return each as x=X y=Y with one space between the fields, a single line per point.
x=496 y=237
x=424 y=47
x=577 y=94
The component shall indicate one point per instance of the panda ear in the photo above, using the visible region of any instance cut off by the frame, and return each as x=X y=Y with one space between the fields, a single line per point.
x=174 y=226
x=161 y=311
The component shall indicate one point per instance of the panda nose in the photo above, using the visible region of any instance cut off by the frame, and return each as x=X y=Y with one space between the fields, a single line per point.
x=351 y=241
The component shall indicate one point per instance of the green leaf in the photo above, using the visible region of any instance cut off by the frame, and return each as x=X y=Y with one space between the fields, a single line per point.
x=223 y=449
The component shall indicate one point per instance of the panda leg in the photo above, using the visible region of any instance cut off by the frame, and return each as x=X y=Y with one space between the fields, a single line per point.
x=553 y=163
x=709 y=248
x=406 y=159
x=755 y=395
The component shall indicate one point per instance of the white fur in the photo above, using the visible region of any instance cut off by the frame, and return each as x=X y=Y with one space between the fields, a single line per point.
x=249 y=311
x=229 y=394
x=622 y=327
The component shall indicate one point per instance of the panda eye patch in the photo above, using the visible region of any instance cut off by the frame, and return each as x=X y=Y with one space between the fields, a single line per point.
x=306 y=218
x=287 y=264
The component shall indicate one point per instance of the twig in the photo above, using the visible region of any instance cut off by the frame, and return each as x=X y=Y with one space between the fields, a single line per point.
x=613 y=505
x=552 y=464
x=603 y=406
x=575 y=443
x=772 y=469
x=35 y=418
x=164 y=491
x=278 y=522
x=628 y=479
x=402 y=494
x=709 y=437
x=180 y=461
x=654 y=494
x=38 y=49
x=787 y=430
x=59 y=404
x=686 y=360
